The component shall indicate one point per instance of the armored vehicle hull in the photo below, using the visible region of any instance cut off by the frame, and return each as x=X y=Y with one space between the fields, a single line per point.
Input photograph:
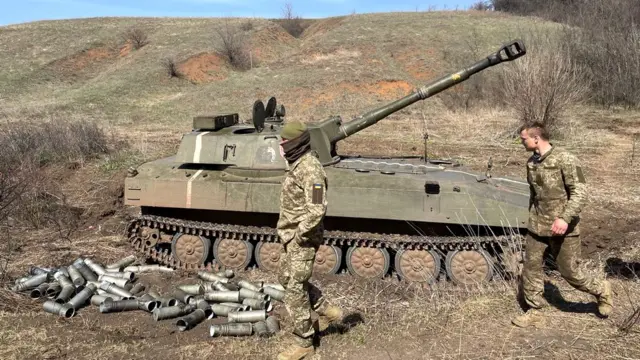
x=217 y=201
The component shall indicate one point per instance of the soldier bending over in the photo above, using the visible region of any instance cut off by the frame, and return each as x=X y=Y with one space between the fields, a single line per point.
x=303 y=205
x=558 y=192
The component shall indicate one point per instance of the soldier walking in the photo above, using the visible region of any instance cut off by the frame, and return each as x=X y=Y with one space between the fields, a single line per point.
x=557 y=194
x=303 y=205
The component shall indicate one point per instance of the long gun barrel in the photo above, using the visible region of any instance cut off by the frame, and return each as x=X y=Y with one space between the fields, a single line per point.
x=508 y=52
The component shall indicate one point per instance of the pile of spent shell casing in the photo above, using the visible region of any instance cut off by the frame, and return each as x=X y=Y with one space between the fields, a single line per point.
x=116 y=288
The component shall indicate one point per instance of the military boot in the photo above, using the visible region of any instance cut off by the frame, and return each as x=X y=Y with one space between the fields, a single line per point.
x=329 y=316
x=605 y=300
x=533 y=317
x=296 y=352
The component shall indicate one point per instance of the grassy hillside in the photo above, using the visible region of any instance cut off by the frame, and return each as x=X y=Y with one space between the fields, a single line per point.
x=83 y=67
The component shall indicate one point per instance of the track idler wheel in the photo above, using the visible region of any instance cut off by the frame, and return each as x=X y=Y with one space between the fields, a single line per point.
x=368 y=262
x=268 y=255
x=190 y=249
x=232 y=254
x=418 y=265
x=469 y=267
x=328 y=260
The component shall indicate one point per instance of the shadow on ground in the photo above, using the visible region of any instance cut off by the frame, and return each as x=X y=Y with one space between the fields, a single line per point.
x=620 y=269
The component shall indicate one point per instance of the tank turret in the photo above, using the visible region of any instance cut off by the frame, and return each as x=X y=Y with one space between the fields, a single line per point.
x=216 y=202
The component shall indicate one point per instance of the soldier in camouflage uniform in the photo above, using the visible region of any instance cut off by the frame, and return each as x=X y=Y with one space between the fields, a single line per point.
x=303 y=204
x=558 y=192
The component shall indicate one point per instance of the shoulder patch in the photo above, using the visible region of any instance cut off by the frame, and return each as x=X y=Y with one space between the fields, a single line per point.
x=580 y=174
x=317 y=194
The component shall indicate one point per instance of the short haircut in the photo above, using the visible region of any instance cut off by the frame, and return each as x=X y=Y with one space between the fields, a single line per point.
x=536 y=128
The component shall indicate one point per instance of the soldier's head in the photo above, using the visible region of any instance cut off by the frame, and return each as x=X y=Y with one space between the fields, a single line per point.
x=534 y=135
x=295 y=140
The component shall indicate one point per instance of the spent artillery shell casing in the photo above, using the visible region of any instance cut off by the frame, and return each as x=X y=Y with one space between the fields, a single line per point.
x=191 y=320
x=99 y=299
x=207 y=276
x=122 y=275
x=31 y=283
x=114 y=289
x=53 y=290
x=76 y=276
x=250 y=294
x=273 y=293
x=122 y=263
x=192 y=289
x=39 y=291
x=63 y=310
x=137 y=289
x=236 y=306
x=86 y=272
x=62 y=279
x=81 y=298
x=182 y=296
x=228 y=273
x=231 y=329
x=247 y=285
x=66 y=293
x=223 y=296
x=120 y=282
x=171 y=312
x=256 y=304
x=247 y=316
x=95 y=267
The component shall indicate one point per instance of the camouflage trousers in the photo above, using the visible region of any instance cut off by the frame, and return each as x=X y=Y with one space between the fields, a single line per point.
x=301 y=298
x=566 y=253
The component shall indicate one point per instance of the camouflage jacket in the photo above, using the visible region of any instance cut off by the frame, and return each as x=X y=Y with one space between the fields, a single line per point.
x=558 y=190
x=303 y=203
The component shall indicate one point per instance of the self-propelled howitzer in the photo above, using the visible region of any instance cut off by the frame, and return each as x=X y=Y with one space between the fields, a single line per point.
x=217 y=200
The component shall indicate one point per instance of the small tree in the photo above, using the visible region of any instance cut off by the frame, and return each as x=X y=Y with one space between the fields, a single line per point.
x=543 y=84
x=291 y=23
x=136 y=36
x=233 y=46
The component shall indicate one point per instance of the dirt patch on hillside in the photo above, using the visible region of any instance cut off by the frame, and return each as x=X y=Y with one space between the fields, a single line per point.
x=91 y=58
x=271 y=43
x=384 y=90
x=322 y=27
x=204 y=67
x=419 y=63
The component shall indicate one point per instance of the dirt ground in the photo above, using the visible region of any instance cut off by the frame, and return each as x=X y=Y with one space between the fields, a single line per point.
x=386 y=319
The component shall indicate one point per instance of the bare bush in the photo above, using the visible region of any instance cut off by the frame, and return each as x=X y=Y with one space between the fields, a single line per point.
x=29 y=195
x=234 y=47
x=136 y=36
x=603 y=37
x=481 y=6
x=543 y=84
x=475 y=91
x=290 y=22
x=169 y=65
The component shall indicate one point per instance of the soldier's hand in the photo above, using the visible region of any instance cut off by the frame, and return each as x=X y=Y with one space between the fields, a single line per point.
x=559 y=227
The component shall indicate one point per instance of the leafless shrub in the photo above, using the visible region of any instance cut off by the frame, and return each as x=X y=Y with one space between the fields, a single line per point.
x=603 y=38
x=136 y=36
x=482 y=6
x=169 y=65
x=543 y=84
x=247 y=25
x=290 y=22
x=234 y=46
x=30 y=195
x=477 y=89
